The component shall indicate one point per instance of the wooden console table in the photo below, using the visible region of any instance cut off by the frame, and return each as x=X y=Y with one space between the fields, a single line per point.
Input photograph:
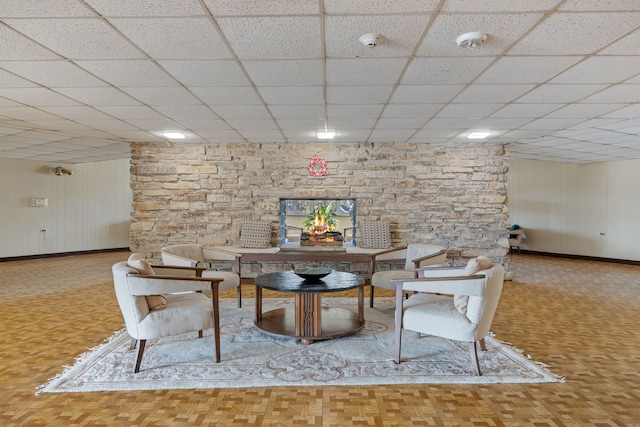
x=308 y=321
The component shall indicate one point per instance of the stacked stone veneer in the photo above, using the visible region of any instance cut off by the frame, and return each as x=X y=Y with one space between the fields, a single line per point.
x=451 y=195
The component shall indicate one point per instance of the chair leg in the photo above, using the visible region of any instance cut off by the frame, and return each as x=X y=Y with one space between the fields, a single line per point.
x=473 y=350
x=141 y=344
x=200 y=333
x=371 y=297
x=133 y=343
x=216 y=318
x=239 y=295
x=483 y=345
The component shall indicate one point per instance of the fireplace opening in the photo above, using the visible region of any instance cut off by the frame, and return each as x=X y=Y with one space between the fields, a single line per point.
x=317 y=222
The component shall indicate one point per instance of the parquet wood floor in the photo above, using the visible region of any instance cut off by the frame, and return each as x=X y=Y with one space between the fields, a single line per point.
x=579 y=317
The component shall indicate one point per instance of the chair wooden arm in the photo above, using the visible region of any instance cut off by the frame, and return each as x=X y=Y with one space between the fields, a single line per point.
x=143 y=284
x=417 y=261
x=386 y=251
x=179 y=270
x=459 y=285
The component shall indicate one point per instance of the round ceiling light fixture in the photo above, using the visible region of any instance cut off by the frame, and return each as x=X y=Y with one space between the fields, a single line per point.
x=370 y=40
x=471 y=40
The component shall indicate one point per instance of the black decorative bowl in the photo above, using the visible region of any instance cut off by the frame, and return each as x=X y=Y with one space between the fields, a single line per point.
x=313 y=274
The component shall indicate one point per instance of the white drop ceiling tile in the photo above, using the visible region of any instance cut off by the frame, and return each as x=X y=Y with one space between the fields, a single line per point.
x=616 y=94
x=242 y=111
x=425 y=94
x=261 y=135
x=493 y=94
x=130 y=112
x=583 y=111
x=355 y=111
x=353 y=95
x=429 y=133
x=300 y=135
x=249 y=124
x=59 y=125
x=153 y=125
x=627 y=45
x=344 y=123
x=257 y=7
x=231 y=95
x=292 y=95
x=400 y=124
x=600 y=5
x=99 y=96
x=502 y=31
x=173 y=38
x=379 y=6
x=26 y=113
x=450 y=124
x=137 y=72
x=601 y=69
x=77 y=38
x=273 y=38
x=484 y=6
x=411 y=111
x=206 y=72
x=394 y=135
x=399 y=32
x=107 y=125
x=297 y=111
x=81 y=112
x=468 y=110
x=18 y=47
x=559 y=93
x=8 y=80
x=594 y=123
x=494 y=123
x=630 y=112
x=48 y=9
x=304 y=72
x=197 y=125
x=446 y=71
x=526 y=111
x=56 y=73
x=566 y=29
x=187 y=112
x=351 y=135
x=302 y=124
x=553 y=124
x=220 y=135
x=522 y=69
x=162 y=95
x=134 y=134
x=364 y=71
x=36 y=97
x=110 y=8
x=521 y=134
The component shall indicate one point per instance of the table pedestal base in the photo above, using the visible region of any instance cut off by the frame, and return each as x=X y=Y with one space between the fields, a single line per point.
x=328 y=323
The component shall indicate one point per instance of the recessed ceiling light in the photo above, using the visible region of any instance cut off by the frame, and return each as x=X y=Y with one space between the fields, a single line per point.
x=478 y=135
x=174 y=135
x=326 y=134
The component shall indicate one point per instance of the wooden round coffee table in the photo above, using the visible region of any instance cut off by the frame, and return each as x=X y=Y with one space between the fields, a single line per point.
x=308 y=321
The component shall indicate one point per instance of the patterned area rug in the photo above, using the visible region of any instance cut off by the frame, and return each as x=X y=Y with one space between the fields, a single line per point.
x=253 y=359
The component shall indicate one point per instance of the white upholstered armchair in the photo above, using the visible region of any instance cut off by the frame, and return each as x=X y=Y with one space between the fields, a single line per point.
x=187 y=309
x=194 y=255
x=415 y=255
x=433 y=311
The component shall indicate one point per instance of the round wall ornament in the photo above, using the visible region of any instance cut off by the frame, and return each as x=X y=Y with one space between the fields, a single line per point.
x=317 y=166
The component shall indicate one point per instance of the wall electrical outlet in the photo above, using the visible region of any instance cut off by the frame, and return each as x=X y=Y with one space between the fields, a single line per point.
x=39 y=203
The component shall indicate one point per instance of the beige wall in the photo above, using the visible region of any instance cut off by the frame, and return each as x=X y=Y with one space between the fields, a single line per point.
x=89 y=210
x=587 y=210
x=449 y=195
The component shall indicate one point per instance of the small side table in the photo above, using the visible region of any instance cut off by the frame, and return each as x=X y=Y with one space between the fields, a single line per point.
x=308 y=321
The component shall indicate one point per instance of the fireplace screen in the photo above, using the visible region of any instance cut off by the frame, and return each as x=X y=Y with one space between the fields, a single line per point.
x=317 y=222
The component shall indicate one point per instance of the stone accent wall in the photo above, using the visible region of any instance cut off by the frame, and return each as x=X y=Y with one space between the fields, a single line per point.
x=451 y=195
